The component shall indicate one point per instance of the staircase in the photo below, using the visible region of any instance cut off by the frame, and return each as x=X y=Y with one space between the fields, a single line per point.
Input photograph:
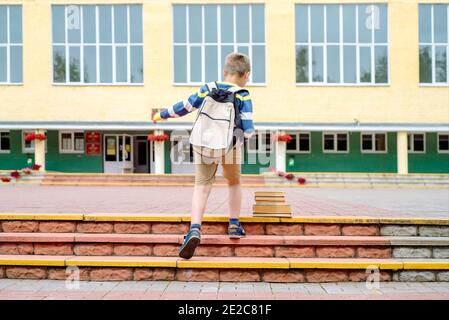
x=300 y=249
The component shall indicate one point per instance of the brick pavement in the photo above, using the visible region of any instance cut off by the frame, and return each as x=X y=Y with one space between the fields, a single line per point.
x=167 y=290
x=415 y=202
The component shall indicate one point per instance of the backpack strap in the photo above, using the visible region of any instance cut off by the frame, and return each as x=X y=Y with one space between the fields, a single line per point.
x=235 y=89
x=211 y=86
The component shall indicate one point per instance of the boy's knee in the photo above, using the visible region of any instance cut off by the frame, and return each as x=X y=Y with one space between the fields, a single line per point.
x=232 y=181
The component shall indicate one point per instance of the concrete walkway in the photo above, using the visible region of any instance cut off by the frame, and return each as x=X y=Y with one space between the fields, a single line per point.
x=167 y=290
x=391 y=202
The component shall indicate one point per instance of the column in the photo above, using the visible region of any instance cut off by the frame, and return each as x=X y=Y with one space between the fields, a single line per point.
x=159 y=154
x=402 y=152
x=39 y=151
x=280 y=150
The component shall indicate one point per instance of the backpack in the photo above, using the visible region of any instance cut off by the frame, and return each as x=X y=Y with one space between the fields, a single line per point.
x=212 y=134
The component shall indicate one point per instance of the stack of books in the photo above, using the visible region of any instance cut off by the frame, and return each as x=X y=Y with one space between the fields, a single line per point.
x=271 y=204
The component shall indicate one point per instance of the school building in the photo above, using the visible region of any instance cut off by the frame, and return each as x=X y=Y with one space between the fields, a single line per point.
x=354 y=86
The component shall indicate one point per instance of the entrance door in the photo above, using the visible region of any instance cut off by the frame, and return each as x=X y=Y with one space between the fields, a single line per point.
x=118 y=153
x=143 y=155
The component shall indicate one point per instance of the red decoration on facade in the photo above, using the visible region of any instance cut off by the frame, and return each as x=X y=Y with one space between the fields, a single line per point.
x=280 y=174
x=283 y=137
x=36 y=167
x=93 y=149
x=93 y=143
x=160 y=137
x=301 y=180
x=35 y=136
x=6 y=179
x=93 y=137
x=26 y=171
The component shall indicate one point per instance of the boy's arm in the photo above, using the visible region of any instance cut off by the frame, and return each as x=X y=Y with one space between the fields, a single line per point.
x=184 y=107
x=246 y=112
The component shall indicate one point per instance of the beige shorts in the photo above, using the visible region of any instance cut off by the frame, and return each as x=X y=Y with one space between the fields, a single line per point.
x=205 y=169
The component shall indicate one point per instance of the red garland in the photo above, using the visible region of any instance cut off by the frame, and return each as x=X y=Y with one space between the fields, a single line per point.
x=301 y=180
x=289 y=176
x=283 y=137
x=161 y=137
x=6 y=179
x=35 y=136
x=36 y=167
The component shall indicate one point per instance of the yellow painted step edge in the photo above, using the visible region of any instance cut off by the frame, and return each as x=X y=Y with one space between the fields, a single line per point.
x=133 y=217
x=390 y=265
x=80 y=262
x=42 y=216
x=425 y=265
x=225 y=264
x=33 y=262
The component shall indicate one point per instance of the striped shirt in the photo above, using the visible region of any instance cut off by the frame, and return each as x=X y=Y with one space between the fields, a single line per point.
x=243 y=103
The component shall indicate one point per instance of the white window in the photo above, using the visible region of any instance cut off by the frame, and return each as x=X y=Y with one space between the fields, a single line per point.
x=182 y=150
x=416 y=142
x=342 y=44
x=373 y=142
x=97 y=44
x=259 y=143
x=205 y=34
x=5 y=142
x=443 y=142
x=335 y=142
x=28 y=146
x=300 y=142
x=71 y=142
x=433 y=44
x=11 y=44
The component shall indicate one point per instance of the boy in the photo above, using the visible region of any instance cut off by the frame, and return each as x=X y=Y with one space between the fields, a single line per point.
x=236 y=72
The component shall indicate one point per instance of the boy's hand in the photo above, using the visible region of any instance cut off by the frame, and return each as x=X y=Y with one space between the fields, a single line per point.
x=156 y=117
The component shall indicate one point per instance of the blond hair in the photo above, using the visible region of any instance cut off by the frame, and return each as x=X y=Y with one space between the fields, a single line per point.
x=237 y=63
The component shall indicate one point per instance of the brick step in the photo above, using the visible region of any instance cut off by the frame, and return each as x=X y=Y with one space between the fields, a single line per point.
x=175 y=224
x=221 y=269
x=221 y=245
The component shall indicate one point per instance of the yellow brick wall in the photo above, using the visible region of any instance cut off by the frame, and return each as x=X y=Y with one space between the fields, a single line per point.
x=403 y=100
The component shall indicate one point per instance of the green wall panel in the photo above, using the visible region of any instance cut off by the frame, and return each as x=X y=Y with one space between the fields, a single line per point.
x=431 y=161
x=66 y=162
x=353 y=161
x=15 y=160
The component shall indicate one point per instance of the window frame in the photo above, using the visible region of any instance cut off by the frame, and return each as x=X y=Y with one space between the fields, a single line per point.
x=432 y=45
x=260 y=142
x=438 y=142
x=71 y=151
x=335 y=133
x=297 y=149
x=9 y=150
x=373 y=137
x=412 y=147
x=31 y=149
x=341 y=45
x=97 y=46
x=219 y=44
x=8 y=46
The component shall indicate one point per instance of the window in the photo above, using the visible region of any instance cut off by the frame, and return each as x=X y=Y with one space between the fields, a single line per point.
x=300 y=143
x=433 y=43
x=373 y=142
x=443 y=142
x=259 y=143
x=182 y=150
x=205 y=34
x=341 y=44
x=97 y=44
x=335 y=142
x=5 y=142
x=28 y=146
x=416 y=142
x=11 y=44
x=71 y=142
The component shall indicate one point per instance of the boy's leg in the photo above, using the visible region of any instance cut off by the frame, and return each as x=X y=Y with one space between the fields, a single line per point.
x=199 y=200
x=231 y=171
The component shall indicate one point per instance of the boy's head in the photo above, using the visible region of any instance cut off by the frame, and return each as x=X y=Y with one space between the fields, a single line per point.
x=237 y=68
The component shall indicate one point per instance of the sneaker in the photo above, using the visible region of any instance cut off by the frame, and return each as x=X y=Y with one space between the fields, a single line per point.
x=236 y=231
x=191 y=241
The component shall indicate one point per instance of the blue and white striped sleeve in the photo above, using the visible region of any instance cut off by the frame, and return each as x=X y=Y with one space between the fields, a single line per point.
x=246 y=111
x=184 y=107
